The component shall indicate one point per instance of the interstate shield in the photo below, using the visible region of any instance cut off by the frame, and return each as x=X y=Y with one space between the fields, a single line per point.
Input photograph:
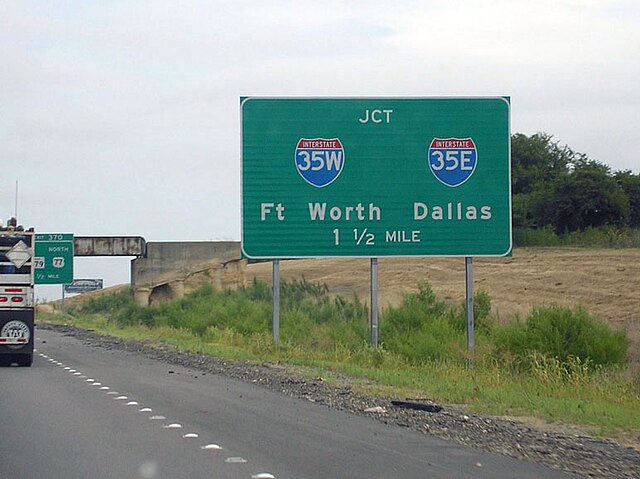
x=319 y=161
x=453 y=160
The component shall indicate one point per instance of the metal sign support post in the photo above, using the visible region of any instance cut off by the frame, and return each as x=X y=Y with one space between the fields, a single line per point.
x=374 y=302
x=62 y=304
x=468 y=263
x=276 y=300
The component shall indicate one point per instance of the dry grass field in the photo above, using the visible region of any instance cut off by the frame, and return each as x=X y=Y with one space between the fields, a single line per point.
x=605 y=282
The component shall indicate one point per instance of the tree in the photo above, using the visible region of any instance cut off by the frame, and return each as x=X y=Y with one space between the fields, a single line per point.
x=536 y=162
x=588 y=196
x=630 y=184
x=553 y=185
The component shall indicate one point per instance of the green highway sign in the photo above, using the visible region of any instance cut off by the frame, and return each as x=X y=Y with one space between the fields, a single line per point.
x=53 y=259
x=374 y=177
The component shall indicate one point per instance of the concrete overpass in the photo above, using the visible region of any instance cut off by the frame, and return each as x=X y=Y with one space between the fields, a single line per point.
x=171 y=268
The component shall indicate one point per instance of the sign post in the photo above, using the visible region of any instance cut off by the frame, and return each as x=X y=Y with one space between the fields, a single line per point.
x=468 y=268
x=374 y=302
x=276 y=301
x=53 y=258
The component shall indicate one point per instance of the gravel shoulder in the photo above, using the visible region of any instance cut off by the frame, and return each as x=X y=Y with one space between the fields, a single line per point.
x=579 y=454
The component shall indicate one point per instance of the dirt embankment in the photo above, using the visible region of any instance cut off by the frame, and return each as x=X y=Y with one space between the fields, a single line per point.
x=605 y=282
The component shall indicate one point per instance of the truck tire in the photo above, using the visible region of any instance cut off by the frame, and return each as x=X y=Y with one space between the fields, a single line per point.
x=24 y=360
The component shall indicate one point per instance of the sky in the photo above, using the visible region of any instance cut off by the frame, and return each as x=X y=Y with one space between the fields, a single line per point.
x=121 y=117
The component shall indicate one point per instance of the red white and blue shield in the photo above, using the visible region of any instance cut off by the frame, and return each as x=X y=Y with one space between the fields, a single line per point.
x=453 y=160
x=319 y=160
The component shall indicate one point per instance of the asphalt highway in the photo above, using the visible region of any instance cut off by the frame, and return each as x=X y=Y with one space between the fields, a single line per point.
x=87 y=412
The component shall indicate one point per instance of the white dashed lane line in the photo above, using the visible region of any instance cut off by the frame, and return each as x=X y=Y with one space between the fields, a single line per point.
x=174 y=425
x=191 y=435
x=211 y=447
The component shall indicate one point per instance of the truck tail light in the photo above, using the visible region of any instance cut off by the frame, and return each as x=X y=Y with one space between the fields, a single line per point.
x=17 y=299
x=3 y=299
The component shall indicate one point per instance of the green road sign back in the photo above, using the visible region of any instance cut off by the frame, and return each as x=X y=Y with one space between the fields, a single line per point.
x=53 y=258
x=375 y=177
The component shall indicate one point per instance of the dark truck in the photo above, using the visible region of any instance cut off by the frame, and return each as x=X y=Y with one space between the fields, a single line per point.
x=17 y=307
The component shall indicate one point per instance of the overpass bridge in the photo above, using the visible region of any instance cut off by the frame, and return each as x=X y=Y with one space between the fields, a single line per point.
x=170 y=268
x=165 y=270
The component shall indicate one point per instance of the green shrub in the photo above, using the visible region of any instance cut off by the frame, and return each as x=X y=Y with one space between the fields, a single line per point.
x=258 y=291
x=562 y=333
x=422 y=328
x=601 y=237
x=481 y=313
x=295 y=291
x=551 y=371
x=436 y=340
x=366 y=356
x=413 y=312
x=134 y=315
x=350 y=330
x=296 y=326
x=545 y=236
x=105 y=303
x=481 y=309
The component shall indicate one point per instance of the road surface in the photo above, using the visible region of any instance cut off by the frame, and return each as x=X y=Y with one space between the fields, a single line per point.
x=83 y=411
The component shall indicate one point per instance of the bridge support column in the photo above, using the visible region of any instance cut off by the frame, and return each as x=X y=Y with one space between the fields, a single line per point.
x=177 y=289
x=141 y=296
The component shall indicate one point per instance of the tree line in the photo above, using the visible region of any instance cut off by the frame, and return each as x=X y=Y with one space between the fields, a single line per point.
x=555 y=186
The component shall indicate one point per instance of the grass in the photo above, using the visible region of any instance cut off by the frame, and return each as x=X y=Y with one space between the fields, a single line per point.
x=521 y=368
x=602 y=237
